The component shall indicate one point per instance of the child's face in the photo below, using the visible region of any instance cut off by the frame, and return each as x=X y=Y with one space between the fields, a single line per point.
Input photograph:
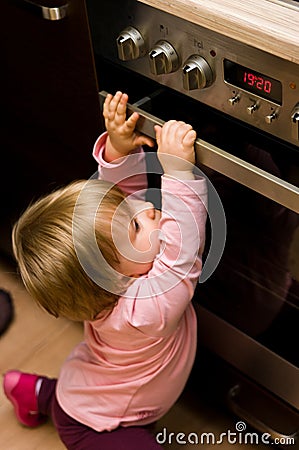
x=142 y=244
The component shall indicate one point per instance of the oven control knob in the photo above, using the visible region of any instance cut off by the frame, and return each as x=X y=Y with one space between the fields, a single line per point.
x=197 y=74
x=130 y=44
x=250 y=109
x=233 y=100
x=270 y=117
x=163 y=58
x=295 y=122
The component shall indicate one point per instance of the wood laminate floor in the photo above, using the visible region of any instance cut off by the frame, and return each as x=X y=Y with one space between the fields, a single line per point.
x=36 y=342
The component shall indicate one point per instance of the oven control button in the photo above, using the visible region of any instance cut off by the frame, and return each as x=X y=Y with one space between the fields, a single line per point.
x=233 y=100
x=197 y=74
x=130 y=44
x=163 y=58
x=250 y=109
x=295 y=122
x=270 y=117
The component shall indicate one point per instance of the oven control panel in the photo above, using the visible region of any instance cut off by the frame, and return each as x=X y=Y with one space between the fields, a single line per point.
x=241 y=81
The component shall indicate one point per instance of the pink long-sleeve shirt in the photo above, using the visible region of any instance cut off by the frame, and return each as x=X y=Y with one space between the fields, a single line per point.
x=134 y=362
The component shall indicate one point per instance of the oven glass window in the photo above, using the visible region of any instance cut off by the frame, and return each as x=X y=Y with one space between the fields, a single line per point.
x=255 y=287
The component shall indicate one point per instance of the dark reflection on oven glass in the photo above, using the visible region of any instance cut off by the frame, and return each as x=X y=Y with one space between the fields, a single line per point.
x=253 y=287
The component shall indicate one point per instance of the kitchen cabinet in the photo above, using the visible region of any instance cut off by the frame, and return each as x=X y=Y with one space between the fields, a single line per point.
x=49 y=99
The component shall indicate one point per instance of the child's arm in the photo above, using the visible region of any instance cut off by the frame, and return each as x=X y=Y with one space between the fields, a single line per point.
x=160 y=299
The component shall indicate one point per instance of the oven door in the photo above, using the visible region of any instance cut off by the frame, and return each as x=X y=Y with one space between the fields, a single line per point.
x=248 y=308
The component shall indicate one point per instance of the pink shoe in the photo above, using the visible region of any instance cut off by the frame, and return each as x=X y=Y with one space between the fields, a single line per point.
x=19 y=388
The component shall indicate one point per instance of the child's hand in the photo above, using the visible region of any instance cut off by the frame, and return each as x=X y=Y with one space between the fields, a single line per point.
x=122 y=137
x=176 y=147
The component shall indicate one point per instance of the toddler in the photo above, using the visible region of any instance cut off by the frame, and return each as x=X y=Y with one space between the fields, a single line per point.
x=95 y=251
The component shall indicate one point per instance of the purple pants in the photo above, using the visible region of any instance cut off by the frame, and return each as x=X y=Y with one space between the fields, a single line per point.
x=77 y=436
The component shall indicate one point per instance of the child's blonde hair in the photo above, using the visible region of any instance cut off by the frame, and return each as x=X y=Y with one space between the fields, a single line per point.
x=43 y=245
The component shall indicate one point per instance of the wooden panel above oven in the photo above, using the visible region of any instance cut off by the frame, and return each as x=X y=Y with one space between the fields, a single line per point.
x=268 y=25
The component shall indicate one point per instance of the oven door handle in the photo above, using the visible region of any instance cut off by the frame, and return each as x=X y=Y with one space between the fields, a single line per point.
x=46 y=12
x=227 y=164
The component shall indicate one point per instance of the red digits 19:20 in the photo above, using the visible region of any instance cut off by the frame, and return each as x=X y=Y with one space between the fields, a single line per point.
x=259 y=82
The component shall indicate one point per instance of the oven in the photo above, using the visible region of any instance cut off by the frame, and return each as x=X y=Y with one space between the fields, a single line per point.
x=244 y=105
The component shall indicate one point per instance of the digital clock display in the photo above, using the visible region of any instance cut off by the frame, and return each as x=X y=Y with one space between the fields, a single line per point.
x=255 y=82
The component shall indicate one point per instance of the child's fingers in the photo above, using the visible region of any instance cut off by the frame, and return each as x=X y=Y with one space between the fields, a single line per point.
x=107 y=105
x=174 y=131
x=132 y=120
x=158 y=130
x=121 y=107
x=179 y=132
x=140 y=139
x=169 y=128
x=189 y=138
x=115 y=106
x=144 y=140
x=115 y=101
x=182 y=130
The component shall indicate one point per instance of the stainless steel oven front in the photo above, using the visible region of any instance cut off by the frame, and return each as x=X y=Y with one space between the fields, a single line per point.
x=244 y=104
